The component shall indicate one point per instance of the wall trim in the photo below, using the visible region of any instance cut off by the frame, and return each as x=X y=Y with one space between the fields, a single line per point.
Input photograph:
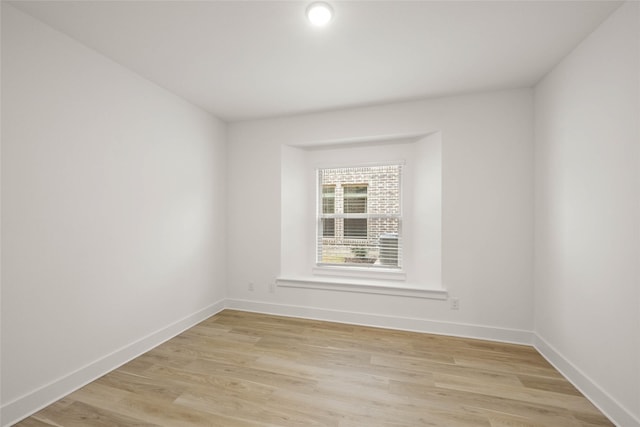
x=361 y=286
x=513 y=336
x=30 y=403
x=609 y=406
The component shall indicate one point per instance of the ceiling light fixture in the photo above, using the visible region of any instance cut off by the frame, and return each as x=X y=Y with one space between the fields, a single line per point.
x=319 y=13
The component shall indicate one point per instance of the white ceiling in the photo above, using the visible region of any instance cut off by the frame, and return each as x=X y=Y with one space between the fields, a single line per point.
x=252 y=59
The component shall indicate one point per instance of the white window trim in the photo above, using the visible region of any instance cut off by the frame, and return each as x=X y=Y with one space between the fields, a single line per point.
x=362 y=286
x=354 y=271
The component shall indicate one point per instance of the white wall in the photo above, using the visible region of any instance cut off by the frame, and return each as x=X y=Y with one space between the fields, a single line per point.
x=113 y=214
x=587 y=212
x=487 y=214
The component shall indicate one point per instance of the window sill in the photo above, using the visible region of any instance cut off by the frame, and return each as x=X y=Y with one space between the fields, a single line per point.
x=355 y=272
x=361 y=286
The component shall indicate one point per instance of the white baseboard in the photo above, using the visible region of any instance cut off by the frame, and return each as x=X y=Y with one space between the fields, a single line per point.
x=617 y=413
x=514 y=336
x=32 y=402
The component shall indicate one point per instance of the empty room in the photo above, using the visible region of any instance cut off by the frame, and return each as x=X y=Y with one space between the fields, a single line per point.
x=340 y=213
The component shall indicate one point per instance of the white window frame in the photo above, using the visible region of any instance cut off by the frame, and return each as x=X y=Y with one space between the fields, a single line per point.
x=392 y=272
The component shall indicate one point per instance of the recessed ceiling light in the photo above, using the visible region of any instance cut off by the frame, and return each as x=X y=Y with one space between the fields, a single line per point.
x=319 y=13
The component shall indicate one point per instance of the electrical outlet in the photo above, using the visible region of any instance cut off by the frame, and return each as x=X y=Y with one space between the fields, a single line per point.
x=455 y=303
x=251 y=288
x=272 y=287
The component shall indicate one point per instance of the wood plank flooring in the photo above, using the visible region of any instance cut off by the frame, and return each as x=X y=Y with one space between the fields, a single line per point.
x=247 y=369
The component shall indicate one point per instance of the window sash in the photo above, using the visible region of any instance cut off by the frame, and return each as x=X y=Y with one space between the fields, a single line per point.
x=344 y=220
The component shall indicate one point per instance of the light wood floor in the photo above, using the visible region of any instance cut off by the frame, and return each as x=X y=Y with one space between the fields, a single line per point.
x=245 y=369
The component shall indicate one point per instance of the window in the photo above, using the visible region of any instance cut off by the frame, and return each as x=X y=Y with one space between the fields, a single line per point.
x=359 y=216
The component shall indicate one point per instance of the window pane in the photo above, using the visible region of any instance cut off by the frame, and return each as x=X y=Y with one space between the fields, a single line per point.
x=355 y=228
x=355 y=190
x=355 y=205
x=328 y=227
x=389 y=249
x=328 y=206
x=328 y=199
x=355 y=199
